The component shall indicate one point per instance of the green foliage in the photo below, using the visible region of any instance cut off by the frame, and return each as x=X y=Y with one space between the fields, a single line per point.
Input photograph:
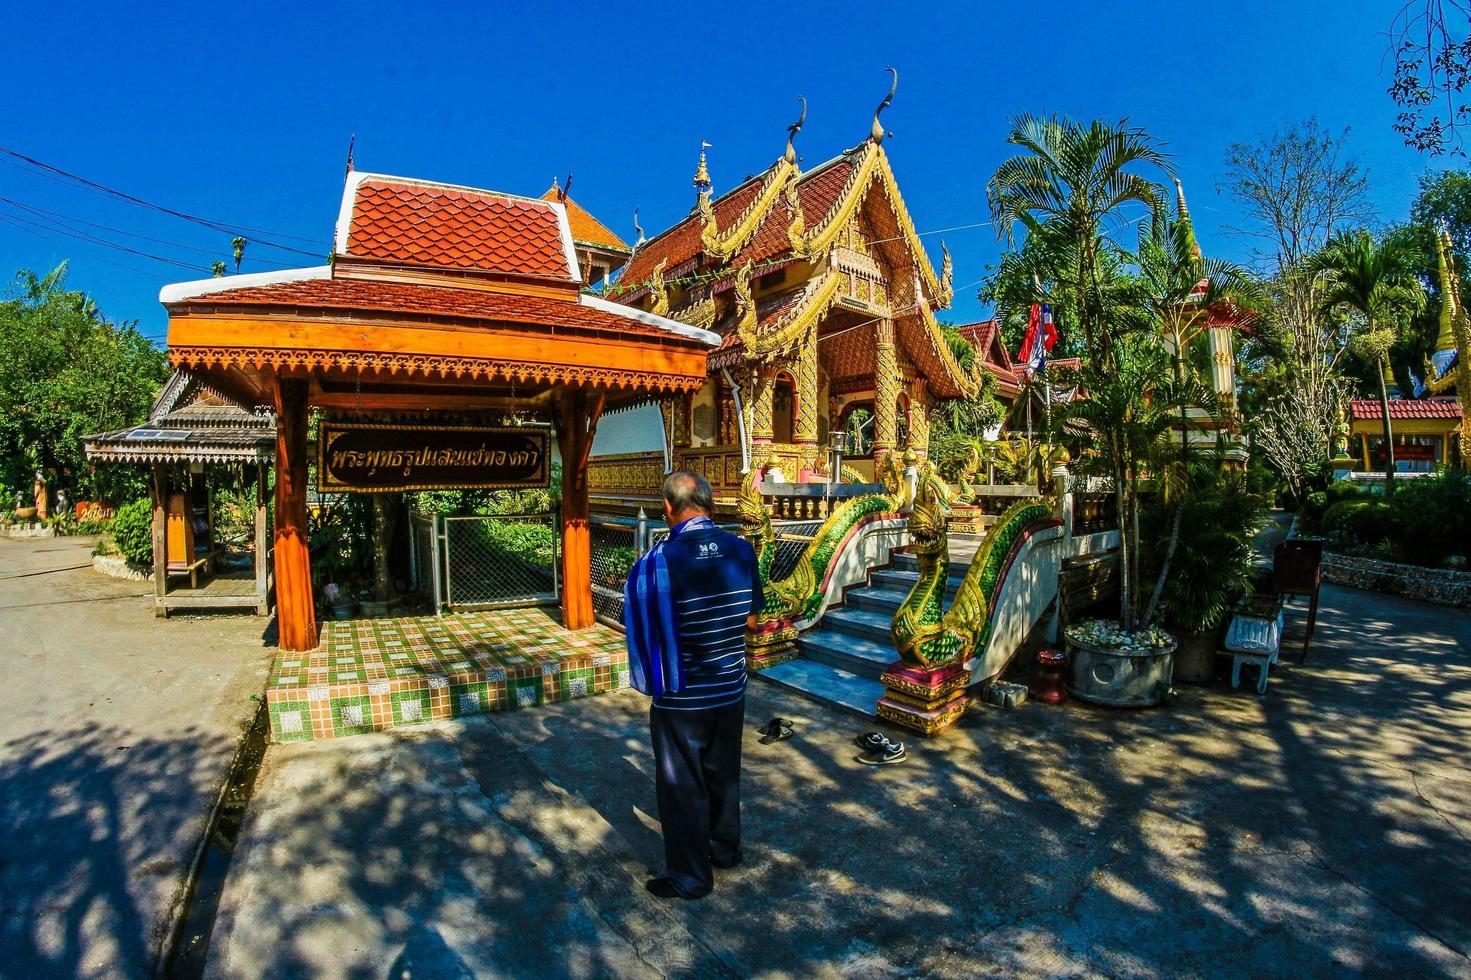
x=1430 y=518
x=537 y=500
x=619 y=563
x=1356 y=525
x=511 y=541
x=132 y=531
x=66 y=372
x=1213 y=563
x=339 y=535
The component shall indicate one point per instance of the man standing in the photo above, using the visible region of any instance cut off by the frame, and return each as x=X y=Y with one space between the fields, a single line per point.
x=714 y=592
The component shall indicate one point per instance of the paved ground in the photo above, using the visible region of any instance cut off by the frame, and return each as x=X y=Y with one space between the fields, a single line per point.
x=1319 y=831
x=116 y=731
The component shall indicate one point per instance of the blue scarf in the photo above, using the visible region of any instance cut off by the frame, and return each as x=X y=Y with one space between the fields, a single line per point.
x=648 y=620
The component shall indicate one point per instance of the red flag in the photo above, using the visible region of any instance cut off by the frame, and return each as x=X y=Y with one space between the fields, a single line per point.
x=1049 y=329
x=1029 y=339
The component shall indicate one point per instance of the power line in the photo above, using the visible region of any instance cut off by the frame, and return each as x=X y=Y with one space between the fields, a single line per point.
x=58 y=218
x=80 y=236
x=206 y=222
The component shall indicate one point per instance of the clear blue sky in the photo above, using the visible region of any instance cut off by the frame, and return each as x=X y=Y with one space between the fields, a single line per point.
x=241 y=112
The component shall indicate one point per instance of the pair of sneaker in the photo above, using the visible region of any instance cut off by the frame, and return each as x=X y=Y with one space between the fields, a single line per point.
x=877 y=749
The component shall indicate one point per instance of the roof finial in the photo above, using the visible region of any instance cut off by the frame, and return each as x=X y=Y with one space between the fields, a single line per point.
x=351 y=141
x=702 y=172
x=877 y=132
x=566 y=187
x=793 y=130
x=637 y=228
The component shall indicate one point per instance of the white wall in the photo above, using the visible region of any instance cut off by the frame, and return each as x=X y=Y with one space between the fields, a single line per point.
x=638 y=430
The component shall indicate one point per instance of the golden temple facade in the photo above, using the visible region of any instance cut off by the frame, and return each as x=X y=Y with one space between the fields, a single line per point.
x=824 y=299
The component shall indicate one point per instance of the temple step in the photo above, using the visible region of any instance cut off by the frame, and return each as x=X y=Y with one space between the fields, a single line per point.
x=909 y=563
x=863 y=624
x=902 y=581
x=864 y=657
x=827 y=685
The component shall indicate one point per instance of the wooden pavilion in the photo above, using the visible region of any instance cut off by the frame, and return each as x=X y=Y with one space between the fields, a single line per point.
x=440 y=302
x=189 y=428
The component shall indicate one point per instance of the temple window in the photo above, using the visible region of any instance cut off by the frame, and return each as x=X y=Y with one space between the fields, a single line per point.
x=857 y=421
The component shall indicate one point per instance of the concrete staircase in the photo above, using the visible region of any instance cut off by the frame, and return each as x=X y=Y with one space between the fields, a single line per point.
x=840 y=660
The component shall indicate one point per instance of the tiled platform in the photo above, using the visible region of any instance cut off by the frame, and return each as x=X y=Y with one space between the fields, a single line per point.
x=373 y=674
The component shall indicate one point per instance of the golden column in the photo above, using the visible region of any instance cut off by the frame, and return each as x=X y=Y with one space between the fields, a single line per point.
x=919 y=417
x=761 y=408
x=886 y=391
x=804 y=429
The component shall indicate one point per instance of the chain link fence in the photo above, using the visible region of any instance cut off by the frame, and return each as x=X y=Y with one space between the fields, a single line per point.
x=486 y=561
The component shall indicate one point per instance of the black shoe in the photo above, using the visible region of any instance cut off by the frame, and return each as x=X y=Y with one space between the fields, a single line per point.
x=664 y=887
x=733 y=862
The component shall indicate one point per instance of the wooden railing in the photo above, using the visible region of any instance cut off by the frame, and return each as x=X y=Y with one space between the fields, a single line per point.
x=1094 y=511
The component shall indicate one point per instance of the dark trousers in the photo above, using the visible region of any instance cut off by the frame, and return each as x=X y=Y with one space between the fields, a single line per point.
x=697 y=764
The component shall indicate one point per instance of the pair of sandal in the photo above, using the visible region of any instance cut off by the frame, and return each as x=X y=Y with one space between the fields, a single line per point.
x=775 y=730
x=879 y=750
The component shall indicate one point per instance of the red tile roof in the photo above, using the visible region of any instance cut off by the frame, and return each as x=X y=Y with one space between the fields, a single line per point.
x=817 y=190
x=413 y=300
x=403 y=221
x=1429 y=408
x=586 y=229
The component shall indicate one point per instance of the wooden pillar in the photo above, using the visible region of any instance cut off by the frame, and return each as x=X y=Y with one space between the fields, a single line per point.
x=886 y=391
x=577 y=421
x=919 y=417
x=296 y=614
x=159 y=488
x=262 y=546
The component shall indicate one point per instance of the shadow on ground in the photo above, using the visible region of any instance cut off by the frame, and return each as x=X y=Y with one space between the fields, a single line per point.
x=1317 y=831
x=96 y=834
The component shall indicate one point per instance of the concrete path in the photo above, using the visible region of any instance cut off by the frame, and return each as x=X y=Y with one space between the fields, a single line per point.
x=116 y=731
x=1320 y=831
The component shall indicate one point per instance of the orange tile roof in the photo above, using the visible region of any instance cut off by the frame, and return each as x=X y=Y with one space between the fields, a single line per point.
x=586 y=229
x=403 y=221
x=817 y=190
x=413 y=300
x=1430 y=408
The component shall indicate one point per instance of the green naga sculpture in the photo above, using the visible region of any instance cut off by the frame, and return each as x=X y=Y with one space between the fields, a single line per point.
x=799 y=596
x=925 y=690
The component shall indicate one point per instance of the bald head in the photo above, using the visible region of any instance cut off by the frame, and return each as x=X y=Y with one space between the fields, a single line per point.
x=686 y=495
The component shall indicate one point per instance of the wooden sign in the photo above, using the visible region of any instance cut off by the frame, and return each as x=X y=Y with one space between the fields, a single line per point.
x=366 y=457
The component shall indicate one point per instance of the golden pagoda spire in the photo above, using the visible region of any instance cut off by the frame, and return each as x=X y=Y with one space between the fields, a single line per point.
x=1449 y=307
x=702 y=172
x=1184 y=217
x=876 y=132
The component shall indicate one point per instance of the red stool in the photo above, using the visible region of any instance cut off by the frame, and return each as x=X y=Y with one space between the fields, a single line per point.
x=1047 y=687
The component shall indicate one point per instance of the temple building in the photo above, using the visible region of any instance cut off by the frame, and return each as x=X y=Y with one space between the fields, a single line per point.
x=824 y=300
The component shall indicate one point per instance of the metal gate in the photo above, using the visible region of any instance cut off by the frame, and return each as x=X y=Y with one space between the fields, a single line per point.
x=486 y=561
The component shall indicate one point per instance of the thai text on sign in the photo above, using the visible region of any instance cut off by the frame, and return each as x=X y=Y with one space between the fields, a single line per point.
x=367 y=457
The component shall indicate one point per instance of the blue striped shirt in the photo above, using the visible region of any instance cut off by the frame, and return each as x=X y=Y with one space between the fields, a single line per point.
x=715 y=585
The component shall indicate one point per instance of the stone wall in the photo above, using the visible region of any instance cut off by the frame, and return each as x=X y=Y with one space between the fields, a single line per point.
x=1439 y=585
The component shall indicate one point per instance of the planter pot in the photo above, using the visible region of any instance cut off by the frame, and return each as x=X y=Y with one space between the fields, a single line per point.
x=1120 y=678
x=374 y=610
x=1195 y=658
x=343 y=610
x=25 y=513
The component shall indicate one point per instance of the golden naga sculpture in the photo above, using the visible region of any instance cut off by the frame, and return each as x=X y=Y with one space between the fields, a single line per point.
x=926 y=634
x=658 y=290
x=947 y=280
x=798 y=596
x=747 y=326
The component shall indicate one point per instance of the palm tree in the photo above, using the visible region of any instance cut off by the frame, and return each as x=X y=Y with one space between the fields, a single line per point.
x=237 y=244
x=1122 y=428
x=1072 y=179
x=1377 y=280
